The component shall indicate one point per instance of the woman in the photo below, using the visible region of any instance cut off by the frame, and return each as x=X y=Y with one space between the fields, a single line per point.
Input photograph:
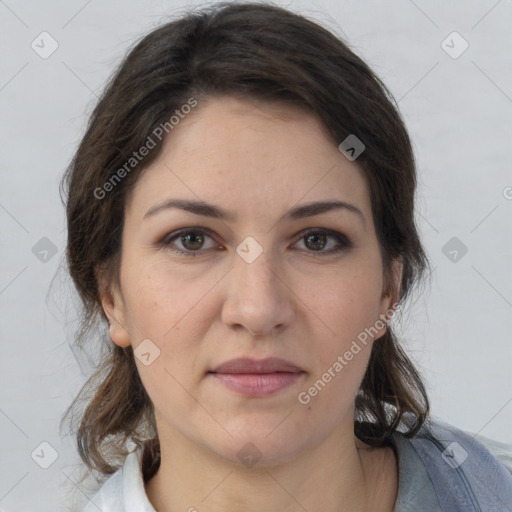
x=241 y=214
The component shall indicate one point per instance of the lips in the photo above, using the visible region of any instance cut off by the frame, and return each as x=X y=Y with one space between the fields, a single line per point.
x=254 y=366
x=257 y=378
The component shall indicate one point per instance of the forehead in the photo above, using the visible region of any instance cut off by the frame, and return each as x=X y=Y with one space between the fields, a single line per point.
x=253 y=157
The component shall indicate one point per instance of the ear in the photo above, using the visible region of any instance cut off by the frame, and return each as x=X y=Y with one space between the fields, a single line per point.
x=113 y=308
x=391 y=294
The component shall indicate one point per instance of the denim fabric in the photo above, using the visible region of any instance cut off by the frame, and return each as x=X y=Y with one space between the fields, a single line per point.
x=415 y=489
x=466 y=476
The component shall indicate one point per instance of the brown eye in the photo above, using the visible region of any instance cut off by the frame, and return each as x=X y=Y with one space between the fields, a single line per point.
x=316 y=240
x=190 y=241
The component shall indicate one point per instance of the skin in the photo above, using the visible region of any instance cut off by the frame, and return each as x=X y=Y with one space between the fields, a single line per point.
x=256 y=160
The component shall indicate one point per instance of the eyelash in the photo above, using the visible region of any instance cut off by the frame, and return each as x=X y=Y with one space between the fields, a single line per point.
x=344 y=242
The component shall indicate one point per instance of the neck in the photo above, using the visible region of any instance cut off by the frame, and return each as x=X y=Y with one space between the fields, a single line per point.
x=341 y=474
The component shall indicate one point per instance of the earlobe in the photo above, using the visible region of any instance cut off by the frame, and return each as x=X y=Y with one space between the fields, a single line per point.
x=114 y=310
x=389 y=302
x=397 y=268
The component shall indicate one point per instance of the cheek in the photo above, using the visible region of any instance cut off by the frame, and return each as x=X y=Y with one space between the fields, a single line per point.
x=168 y=308
x=351 y=304
x=157 y=297
x=160 y=311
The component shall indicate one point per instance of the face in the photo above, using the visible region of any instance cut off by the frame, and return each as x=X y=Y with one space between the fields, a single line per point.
x=199 y=290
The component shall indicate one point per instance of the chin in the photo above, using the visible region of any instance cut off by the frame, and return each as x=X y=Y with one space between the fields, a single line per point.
x=257 y=449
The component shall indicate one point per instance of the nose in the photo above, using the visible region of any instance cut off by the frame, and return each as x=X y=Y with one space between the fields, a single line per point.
x=258 y=298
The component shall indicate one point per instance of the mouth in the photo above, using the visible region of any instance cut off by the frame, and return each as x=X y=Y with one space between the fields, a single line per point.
x=257 y=377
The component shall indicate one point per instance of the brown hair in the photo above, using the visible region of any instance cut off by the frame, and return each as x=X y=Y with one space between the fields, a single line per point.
x=259 y=51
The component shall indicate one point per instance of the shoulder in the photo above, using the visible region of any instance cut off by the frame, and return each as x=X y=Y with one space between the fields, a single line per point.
x=124 y=490
x=465 y=474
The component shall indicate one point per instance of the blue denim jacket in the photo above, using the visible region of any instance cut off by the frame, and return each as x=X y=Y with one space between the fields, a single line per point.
x=465 y=475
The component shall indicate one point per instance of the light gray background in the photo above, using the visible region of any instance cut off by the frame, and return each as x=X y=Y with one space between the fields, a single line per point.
x=459 y=114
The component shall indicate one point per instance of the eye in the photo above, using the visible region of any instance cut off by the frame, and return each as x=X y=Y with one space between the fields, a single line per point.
x=316 y=239
x=191 y=239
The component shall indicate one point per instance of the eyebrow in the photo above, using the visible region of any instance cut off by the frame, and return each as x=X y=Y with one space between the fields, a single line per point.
x=210 y=210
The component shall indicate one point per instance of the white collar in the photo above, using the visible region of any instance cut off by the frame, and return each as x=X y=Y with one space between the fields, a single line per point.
x=124 y=490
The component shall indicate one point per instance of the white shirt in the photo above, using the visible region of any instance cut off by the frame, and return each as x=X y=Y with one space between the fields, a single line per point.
x=124 y=490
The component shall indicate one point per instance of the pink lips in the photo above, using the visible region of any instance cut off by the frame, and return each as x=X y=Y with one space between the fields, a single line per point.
x=257 y=377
